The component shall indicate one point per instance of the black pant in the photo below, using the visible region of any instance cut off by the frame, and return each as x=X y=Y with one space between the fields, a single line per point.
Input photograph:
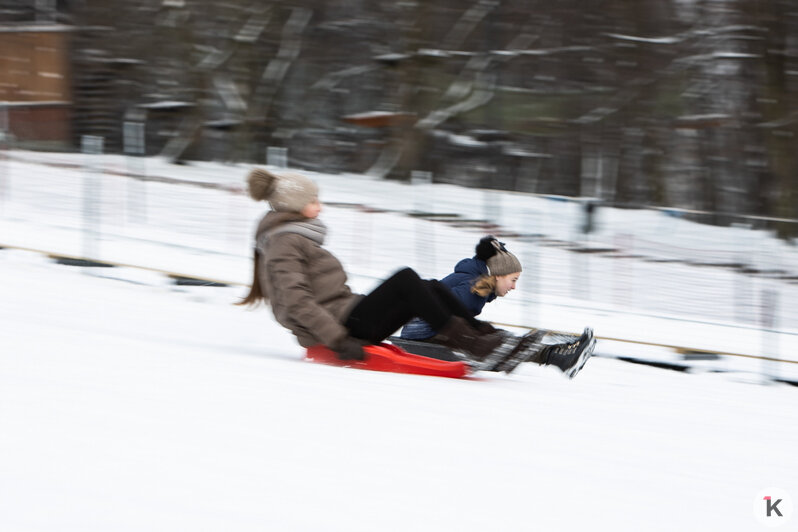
x=398 y=299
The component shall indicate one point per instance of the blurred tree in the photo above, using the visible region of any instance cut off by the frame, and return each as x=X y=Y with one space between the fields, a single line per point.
x=685 y=103
x=777 y=105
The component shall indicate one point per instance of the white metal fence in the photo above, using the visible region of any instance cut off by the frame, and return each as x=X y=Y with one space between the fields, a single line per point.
x=198 y=220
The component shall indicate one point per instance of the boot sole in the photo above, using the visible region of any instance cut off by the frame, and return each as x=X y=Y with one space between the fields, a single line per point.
x=583 y=357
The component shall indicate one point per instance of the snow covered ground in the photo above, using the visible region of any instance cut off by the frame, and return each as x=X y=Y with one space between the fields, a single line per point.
x=130 y=403
x=130 y=406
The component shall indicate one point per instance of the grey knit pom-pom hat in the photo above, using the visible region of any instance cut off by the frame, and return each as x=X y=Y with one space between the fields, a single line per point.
x=285 y=191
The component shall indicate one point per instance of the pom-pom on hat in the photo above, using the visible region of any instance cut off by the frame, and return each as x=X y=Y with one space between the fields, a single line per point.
x=285 y=191
x=499 y=260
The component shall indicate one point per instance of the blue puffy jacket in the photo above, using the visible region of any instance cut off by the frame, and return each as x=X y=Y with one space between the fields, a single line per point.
x=460 y=282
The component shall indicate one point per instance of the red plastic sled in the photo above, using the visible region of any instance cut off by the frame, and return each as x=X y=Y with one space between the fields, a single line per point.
x=387 y=357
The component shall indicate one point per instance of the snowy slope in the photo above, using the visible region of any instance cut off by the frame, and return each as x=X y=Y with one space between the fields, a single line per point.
x=128 y=404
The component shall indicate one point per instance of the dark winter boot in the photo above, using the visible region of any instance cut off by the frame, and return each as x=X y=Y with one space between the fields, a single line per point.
x=490 y=349
x=571 y=357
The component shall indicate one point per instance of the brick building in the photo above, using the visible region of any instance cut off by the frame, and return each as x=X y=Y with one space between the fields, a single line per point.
x=35 y=84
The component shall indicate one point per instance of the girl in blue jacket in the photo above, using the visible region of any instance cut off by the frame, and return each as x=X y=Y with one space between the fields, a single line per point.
x=493 y=272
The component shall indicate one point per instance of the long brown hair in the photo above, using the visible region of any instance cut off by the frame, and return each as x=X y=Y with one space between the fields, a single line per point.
x=256 y=295
x=484 y=285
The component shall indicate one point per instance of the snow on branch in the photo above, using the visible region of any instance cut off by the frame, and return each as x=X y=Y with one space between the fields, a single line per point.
x=715 y=56
x=467 y=23
x=781 y=122
x=478 y=97
x=649 y=40
x=675 y=39
x=252 y=29
x=290 y=46
x=329 y=81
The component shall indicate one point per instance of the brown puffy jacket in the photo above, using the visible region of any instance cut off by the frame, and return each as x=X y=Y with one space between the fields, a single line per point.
x=305 y=283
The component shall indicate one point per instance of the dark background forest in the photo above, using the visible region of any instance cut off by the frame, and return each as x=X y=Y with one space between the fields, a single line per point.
x=690 y=104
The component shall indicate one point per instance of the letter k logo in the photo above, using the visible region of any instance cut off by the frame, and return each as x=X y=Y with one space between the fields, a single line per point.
x=772 y=506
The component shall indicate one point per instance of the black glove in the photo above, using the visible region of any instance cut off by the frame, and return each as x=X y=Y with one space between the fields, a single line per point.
x=350 y=348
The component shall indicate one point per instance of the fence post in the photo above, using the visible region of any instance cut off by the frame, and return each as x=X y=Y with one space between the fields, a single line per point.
x=770 y=340
x=277 y=156
x=623 y=271
x=491 y=206
x=423 y=204
x=134 y=149
x=531 y=264
x=743 y=290
x=580 y=272
x=91 y=145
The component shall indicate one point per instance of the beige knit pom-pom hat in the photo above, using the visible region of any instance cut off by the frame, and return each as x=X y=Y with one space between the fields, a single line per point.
x=285 y=191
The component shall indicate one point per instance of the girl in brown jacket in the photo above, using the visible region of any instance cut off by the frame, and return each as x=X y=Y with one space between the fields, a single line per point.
x=306 y=284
